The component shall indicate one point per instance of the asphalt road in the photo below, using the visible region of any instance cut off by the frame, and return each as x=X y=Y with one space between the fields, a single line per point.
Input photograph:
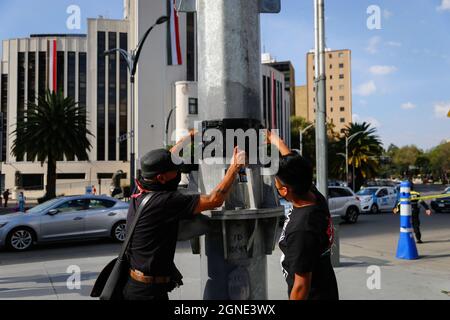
x=43 y=273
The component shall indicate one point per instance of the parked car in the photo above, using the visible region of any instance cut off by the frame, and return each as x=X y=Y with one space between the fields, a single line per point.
x=345 y=203
x=342 y=201
x=377 y=199
x=65 y=219
x=442 y=204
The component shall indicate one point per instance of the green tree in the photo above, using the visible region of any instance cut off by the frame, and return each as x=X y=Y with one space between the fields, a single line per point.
x=405 y=160
x=440 y=161
x=49 y=130
x=364 y=152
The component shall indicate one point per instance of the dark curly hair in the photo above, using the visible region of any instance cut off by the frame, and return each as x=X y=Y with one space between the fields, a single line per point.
x=297 y=173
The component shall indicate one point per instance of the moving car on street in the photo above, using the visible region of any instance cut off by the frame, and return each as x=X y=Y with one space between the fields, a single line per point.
x=442 y=204
x=377 y=199
x=65 y=219
x=342 y=201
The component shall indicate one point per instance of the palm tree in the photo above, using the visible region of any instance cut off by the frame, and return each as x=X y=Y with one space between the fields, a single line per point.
x=49 y=130
x=364 y=151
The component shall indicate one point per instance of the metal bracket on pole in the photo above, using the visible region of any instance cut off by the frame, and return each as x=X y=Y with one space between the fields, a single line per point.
x=265 y=6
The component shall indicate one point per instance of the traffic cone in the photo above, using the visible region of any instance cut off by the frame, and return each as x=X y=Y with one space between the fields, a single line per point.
x=406 y=249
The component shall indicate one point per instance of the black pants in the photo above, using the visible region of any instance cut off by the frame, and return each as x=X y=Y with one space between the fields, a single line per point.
x=416 y=225
x=135 y=290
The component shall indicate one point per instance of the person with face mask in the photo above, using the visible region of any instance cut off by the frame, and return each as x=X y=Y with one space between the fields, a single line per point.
x=153 y=243
x=308 y=232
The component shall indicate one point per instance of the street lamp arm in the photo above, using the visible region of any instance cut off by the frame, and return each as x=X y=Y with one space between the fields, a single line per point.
x=124 y=55
x=349 y=139
x=307 y=128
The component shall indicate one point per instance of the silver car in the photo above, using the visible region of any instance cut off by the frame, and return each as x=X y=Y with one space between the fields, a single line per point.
x=65 y=219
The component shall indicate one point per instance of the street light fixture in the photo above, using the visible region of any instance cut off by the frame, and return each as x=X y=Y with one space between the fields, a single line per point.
x=301 y=137
x=347 y=141
x=132 y=59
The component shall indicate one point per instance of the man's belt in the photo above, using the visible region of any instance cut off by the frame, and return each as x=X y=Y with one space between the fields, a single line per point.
x=140 y=277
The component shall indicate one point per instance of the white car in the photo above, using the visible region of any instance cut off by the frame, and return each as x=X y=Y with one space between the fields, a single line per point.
x=345 y=203
x=377 y=199
x=342 y=201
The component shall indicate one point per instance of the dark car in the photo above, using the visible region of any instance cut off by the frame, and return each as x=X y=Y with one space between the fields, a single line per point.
x=442 y=204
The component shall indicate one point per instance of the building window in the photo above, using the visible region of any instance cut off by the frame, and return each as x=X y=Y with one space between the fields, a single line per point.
x=341 y=98
x=70 y=176
x=331 y=98
x=193 y=106
x=42 y=84
x=332 y=109
x=21 y=68
x=342 y=109
x=31 y=77
x=71 y=76
x=331 y=77
x=341 y=76
x=101 y=47
x=60 y=72
x=32 y=182
x=341 y=87
x=341 y=54
x=330 y=56
x=112 y=98
x=341 y=65
x=190 y=46
x=342 y=120
x=4 y=109
x=82 y=74
x=123 y=100
x=331 y=88
x=331 y=66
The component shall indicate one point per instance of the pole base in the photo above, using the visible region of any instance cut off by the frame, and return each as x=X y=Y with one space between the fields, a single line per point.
x=407 y=249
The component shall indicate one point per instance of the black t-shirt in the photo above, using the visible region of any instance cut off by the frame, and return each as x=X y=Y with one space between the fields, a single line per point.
x=153 y=244
x=306 y=241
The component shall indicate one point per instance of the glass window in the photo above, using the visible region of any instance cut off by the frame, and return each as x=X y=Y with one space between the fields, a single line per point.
x=190 y=46
x=31 y=77
x=60 y=71
x=71 y=76
x=341 y=54
x=32 y=182
x=21 y=67
x=101 y=47
x=342 y=98
x=42 y=86
x=72 y=206
x=112 y=94
x=341 y=76
x=341 y=65
x=193 y=106
x=100 y=204
x=123 y=100
x=4 y=110
x=342 y=109
x=341 y=87
x=342 y=120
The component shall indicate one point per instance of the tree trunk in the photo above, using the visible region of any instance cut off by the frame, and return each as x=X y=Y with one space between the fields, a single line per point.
x=51 y=179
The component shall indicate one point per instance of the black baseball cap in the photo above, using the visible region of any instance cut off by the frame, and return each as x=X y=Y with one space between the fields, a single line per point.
x=158 y=161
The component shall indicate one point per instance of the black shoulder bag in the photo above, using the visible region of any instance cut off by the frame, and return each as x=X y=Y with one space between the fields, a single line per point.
x=111 y=281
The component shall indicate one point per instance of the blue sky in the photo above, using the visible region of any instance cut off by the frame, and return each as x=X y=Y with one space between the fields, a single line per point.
x=400 y=74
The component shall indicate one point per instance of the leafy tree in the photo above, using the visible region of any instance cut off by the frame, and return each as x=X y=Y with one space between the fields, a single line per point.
x=49 y=130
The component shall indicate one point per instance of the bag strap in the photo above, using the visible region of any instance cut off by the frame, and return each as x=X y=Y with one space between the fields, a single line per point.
x=134 y=224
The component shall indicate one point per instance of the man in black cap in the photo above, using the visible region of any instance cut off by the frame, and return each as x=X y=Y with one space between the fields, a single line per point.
x=153 y=244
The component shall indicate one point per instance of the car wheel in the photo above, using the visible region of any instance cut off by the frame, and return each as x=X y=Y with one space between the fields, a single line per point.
x=20 y=239
x=352 y=215
x=374 y=209
x=119 y=231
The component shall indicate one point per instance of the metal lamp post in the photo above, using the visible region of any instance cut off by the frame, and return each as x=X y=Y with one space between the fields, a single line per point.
x=302 y=132
x=166 y=132
x=132 y=59
x=347 y=141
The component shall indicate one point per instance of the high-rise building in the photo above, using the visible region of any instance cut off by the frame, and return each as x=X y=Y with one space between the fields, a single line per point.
x=288 y=70
x=301 y=102
x=62 y=62
x=338 y=88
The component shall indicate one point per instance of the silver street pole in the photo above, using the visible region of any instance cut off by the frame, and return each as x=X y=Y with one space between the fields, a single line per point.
x=321 y=131
x=132 y=141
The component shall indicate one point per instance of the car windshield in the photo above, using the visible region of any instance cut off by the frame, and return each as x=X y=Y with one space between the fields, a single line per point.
x=367 y=192
x=43 y=206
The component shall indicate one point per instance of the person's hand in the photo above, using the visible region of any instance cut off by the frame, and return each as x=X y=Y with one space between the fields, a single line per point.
x=428 y=212
x=239 y=158
x=270 y=137
x=395 y=210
